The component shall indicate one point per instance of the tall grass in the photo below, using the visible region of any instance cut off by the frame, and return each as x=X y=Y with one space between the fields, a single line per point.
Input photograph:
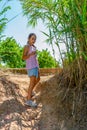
x=66 y=21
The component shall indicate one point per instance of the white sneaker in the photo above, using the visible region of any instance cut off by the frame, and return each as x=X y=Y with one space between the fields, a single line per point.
x=30 y=103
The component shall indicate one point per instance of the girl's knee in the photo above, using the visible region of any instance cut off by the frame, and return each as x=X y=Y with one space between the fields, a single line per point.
x=38 y=79
x=32 y=84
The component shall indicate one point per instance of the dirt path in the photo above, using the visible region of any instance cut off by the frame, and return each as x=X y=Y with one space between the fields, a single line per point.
x=14 y=115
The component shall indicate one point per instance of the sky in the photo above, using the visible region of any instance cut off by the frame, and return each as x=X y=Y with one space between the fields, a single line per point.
x=19 y=29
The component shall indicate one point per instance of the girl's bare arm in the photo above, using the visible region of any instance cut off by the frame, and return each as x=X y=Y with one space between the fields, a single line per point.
x=26 y=54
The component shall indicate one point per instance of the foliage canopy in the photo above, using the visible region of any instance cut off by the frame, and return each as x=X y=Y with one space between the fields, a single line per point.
x=11 y=53
x=46 y=60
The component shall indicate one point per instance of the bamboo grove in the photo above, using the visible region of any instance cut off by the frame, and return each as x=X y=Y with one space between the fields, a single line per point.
x=66 y=21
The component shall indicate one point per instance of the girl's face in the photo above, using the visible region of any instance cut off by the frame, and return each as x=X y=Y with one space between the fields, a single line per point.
x=32 y=40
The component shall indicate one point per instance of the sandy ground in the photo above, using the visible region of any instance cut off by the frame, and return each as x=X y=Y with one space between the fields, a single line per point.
x=14 y=115
x=52 y=113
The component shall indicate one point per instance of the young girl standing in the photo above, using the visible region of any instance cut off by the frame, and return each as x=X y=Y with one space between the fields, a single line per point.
x=29 y=54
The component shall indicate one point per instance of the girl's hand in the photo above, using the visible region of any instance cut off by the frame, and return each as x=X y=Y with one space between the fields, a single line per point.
x=26 y=54
x=33 y=53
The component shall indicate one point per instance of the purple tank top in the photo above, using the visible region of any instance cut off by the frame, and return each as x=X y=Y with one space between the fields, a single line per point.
x=32 y=61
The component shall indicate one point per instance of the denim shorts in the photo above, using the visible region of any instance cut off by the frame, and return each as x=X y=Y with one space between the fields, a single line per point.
x=33 y=72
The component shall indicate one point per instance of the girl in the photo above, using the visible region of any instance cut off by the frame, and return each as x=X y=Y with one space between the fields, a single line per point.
x=29 y=54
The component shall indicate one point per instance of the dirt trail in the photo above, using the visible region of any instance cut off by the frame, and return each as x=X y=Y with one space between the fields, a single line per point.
x=59 y=106
x=14 y=115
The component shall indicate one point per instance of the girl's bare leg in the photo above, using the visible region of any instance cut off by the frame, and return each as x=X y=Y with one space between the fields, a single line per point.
x=33 y=82
x=37 y=79
x=31 y=86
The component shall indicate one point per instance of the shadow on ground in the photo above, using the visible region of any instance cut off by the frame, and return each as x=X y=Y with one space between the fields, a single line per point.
x=13 y=113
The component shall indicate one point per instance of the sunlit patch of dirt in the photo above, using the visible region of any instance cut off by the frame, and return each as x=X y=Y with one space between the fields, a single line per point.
x=14 y=115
